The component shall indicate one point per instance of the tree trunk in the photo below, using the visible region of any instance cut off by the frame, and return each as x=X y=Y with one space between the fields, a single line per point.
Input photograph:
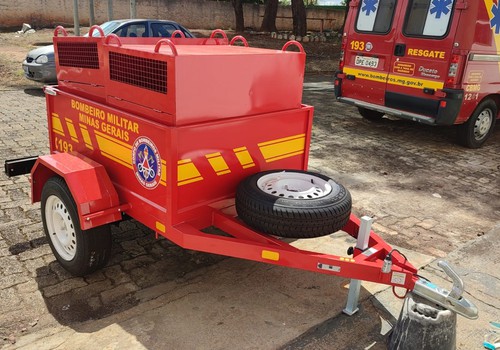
x=269 y=20
x=238 y=13
x=299 y=18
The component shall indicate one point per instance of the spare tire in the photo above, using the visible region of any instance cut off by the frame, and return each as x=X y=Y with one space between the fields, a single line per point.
x=293 y=203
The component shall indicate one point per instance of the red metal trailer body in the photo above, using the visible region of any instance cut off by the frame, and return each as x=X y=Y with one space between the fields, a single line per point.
x=165 y=131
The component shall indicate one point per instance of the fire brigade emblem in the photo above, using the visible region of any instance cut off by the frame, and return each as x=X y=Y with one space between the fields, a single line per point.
x=146 y=162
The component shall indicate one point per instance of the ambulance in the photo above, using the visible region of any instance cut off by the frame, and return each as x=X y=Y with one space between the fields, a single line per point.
x=431 y=61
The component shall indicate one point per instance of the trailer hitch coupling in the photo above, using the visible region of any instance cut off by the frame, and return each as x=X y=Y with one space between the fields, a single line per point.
x=451 y=300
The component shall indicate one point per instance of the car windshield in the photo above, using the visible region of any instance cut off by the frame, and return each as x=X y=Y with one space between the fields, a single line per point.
x=107 y=28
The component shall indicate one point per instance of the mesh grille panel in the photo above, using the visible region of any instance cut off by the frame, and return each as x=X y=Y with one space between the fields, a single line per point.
x=142 y=72
x=81 y=55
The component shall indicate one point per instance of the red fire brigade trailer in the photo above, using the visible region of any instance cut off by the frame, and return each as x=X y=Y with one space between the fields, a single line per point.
x=188 y=134
x=430 y=61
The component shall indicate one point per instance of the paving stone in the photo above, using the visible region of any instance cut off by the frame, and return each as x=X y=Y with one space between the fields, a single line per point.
x=116 y=274
x=118 y=292
x=63 y=287
x=28 y=287
x=13 y=280
x=93 y=289
x=10 y=265
x=133 y=248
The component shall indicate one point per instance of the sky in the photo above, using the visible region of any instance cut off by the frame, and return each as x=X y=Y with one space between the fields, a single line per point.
x=329 y=2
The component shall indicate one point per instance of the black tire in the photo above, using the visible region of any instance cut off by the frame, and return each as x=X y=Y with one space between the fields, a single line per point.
x=370 y=114
x=475 y=131
x=79 y=251
x=305 y=215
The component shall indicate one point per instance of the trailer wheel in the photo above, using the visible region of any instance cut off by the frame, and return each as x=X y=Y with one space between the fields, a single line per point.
x=475 y=131
x=370 y=114
x=293 y=203
x=79 y=251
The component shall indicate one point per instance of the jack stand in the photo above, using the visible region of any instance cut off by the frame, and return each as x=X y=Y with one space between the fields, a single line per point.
x=355 y=285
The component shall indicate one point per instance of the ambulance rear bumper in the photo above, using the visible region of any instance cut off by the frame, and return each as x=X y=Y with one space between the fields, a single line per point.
x=442 y=117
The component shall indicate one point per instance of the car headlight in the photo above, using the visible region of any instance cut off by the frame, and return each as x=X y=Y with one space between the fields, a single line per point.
x=42 y=59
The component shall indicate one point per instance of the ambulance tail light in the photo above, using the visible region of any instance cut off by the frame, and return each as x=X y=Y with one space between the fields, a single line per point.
x=342 y=52
x=454 y=72
x=341 y=62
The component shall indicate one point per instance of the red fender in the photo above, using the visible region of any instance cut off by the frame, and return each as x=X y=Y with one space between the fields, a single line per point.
x=92 y=190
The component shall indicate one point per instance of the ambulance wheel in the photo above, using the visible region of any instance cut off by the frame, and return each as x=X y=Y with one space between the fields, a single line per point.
x=293 y=203
x=475 y=131
x=79 y=251
x=370 y=114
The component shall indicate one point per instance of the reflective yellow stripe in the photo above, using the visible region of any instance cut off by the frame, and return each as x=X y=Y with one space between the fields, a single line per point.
x=114 y=149
x=187 y=172
x=393 y=79
x=163 y=179
x=366 y=74
x=57 y=125
x=72 y=130
x=244 y=157
x=86 y=137
x=283 y=148
x=417 y=83
x=218 y=163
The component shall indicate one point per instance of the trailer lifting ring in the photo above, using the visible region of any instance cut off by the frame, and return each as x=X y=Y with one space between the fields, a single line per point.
x=60 y=28
x=114 y=37
x=169 y=43
x=293 y=42
x=240 y=38
x=96 y=27
x=177 y=31
x=218 y=31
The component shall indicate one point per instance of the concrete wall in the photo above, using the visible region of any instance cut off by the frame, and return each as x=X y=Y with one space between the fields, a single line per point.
x=194 y=14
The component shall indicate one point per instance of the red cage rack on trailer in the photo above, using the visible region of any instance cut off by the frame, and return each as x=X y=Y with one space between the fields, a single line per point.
x=188 y=134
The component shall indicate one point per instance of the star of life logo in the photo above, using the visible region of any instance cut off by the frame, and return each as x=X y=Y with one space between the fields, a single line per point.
x=146 y=162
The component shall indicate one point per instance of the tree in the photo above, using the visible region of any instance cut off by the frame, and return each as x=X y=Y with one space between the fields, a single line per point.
x=269 y=20
x=299 y=17
x=238 y=13
x=346 y=4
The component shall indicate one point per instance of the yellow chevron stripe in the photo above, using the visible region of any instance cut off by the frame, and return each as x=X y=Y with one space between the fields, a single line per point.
x=218 y=163
x=244 y=157
x=57 y=125
x=187 y=172
x=86 y=136
x=72 y=130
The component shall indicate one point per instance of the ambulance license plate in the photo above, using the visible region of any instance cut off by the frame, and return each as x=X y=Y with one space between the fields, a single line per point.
x=370 y=62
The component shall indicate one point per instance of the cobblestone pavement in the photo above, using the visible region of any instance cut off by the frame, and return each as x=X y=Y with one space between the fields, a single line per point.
x=426 y=193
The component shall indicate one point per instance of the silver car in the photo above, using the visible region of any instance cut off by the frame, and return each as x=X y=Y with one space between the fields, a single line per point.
x=40 y=64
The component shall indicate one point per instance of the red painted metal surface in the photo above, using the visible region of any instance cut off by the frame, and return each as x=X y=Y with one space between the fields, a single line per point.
x=94 y=194
x=185 y=80
x=173 y=160
x=195 y=165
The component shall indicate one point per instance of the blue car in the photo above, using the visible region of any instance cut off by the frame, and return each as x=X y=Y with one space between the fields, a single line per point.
x=40 y=64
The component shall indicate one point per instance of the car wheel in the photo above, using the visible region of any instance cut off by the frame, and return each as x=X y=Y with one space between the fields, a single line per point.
x=79 y=251
x=293 y=203
x=475 y=131
x=370 y=114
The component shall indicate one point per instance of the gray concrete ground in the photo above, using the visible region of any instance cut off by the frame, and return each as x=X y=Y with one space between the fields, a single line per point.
x=428 y=196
